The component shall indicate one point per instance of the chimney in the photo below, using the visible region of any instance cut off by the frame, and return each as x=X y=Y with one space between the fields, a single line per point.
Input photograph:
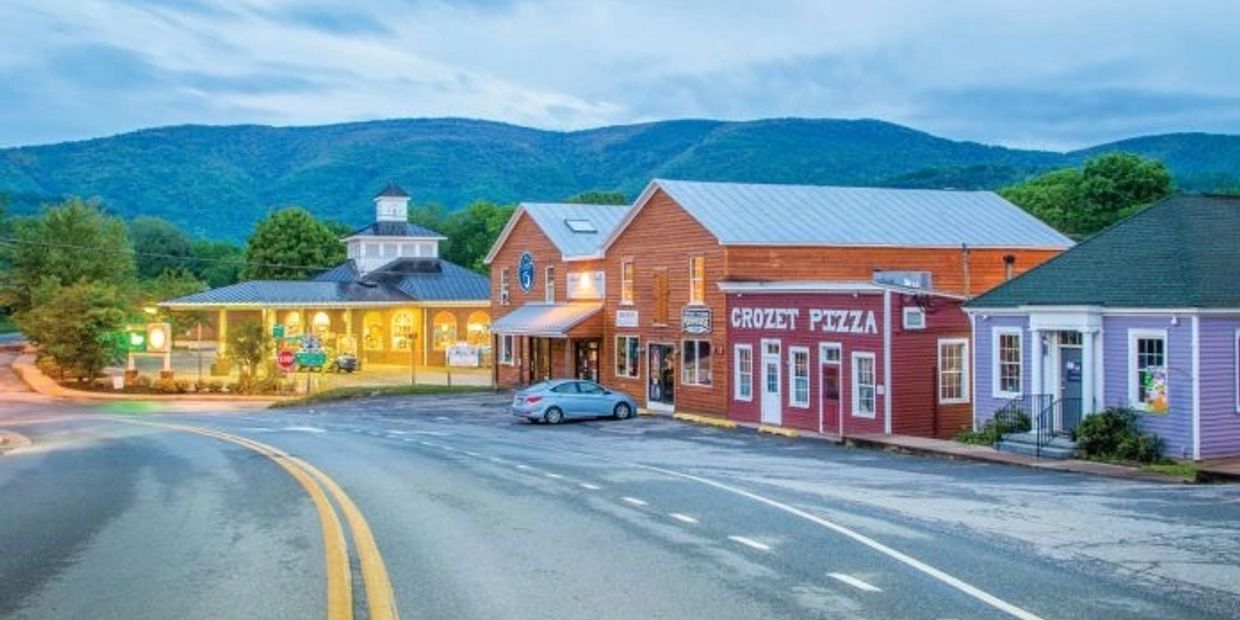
x=1009 y=263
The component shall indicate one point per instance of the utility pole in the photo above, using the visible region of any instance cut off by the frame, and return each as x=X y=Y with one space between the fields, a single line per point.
x=413 y=358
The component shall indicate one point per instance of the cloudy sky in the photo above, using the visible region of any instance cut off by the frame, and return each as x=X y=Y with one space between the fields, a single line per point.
x=1047 y=73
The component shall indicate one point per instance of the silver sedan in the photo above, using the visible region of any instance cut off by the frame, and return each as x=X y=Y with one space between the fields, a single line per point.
x=560 y=399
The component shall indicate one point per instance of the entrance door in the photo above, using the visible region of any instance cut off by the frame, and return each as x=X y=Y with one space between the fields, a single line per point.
x=829 y=356
x=586 y=359
x=1068 y=413
x=540 y=359
x=772 y=383
x=662 y=387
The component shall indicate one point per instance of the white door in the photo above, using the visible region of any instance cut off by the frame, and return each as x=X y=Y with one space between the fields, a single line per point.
x=772 y=403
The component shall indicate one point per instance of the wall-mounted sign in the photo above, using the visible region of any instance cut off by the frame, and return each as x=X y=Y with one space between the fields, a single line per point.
x=586 y=285
x=526 y=272
x=695 y=320
x=819 y=320
x=626 y=318
x=464 y=355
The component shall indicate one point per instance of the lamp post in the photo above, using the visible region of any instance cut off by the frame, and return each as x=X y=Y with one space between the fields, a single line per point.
x=413 y=358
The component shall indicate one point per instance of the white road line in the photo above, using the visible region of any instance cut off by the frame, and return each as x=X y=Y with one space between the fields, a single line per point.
x=967 y=588
x=555 y=476
x=634 y=501
x=587 y=485
x=682 y=517
x=426 y=443
x=749 y=542
x=854 y=582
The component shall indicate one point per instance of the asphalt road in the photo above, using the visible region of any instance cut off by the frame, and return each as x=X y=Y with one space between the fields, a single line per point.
x=479 y=516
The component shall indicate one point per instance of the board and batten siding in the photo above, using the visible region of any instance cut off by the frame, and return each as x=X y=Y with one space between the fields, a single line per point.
x=1176 y=426
x=1220 y=422
x=987 y=403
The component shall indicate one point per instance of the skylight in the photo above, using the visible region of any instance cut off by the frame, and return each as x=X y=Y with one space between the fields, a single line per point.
x=580 y=226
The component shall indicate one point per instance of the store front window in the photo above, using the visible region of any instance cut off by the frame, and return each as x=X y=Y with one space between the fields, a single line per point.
x=372 y=332
x=478 y=329
x=402 y=331
x=292 y=324
x=444 y=330
x=322 y=323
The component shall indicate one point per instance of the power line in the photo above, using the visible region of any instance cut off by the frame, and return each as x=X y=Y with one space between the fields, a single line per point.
x=136 y=253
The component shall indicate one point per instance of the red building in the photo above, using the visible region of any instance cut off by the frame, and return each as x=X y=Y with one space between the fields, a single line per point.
x=848 y=357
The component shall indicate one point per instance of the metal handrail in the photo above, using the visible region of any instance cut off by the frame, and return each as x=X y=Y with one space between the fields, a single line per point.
x=1067 y=411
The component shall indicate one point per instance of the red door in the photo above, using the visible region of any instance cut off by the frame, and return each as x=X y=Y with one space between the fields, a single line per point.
x=830 y=398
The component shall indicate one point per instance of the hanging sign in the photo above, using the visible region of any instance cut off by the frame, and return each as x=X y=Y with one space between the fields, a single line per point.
x=526 y=272
x=695 y=320
x=626 y=318
x=1155 y=388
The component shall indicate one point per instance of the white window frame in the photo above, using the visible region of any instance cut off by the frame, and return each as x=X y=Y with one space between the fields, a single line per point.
x=963 y=343
x=505 y=293
x=857 y=356
x=626 y=283
x=823 y=347
x=1134 y=390
x=633 y=364
x=914 y=311
x=739 y=376
x=996 y=361
x=695 y=282
x=792 y=377
x=549 y=284
x=506 y=344
x=696 y=379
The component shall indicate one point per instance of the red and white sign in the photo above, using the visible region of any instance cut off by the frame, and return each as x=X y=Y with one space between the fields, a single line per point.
x=286 y=360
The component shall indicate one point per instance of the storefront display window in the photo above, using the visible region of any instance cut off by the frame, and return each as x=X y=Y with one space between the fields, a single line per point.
x=478 y=329
x=695 y=365
x=402 y=331
x=372 y=332
x=444 y=330
x=1147 y=364
x=322 y=323
x=506 y=343
x=628 y=351
x=292 y=324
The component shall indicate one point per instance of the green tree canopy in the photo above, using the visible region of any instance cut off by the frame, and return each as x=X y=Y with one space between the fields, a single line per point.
x=218 y=263
x=158 y=245
x=290 y=244
x=1105 y=190
x=249 y=345
x=68 y=243
x=77 y=324
x=471 y=232
x=169 y=284
x=599 y=198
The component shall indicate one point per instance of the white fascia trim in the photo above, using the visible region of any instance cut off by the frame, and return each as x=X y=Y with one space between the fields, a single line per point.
x=1103 y=310
x=452 y=304
x=793 y=286
x=810 y=244
x=301 y=305
x=503 y=235
x=389 y=238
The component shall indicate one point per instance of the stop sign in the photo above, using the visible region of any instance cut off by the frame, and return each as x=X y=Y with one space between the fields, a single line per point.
x=285 y=360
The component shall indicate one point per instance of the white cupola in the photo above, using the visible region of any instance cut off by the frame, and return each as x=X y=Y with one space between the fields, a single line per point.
x=392 y=204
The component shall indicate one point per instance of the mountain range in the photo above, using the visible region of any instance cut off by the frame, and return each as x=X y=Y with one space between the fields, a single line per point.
x=216 y=181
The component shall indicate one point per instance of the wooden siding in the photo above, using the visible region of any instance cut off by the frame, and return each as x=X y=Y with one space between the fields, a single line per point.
x=663 y=236
x=915 y=407
x=986 y=267
x=1175 y=427
x=1220 y=411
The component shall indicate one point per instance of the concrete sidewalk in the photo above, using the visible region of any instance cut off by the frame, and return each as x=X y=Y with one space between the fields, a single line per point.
x=945 y=448
x=1220 y=470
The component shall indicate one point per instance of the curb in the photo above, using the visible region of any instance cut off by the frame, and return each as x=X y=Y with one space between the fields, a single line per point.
x=778 y=430
x=25 y=369
x=704 y=420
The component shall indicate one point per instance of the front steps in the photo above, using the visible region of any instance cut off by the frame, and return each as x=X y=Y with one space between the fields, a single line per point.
x=1060 y=447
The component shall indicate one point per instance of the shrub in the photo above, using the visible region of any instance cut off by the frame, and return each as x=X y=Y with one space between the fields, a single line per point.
x=994 y=429
x=215 y=387
x=166 y=386
x=140 y=382
x=1112 y=435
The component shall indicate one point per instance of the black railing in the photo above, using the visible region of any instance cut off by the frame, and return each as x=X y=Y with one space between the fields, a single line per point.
x=1058 y=418
x=1016 y=416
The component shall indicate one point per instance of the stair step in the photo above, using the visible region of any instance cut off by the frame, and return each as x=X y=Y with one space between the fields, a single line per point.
x=1030 y=448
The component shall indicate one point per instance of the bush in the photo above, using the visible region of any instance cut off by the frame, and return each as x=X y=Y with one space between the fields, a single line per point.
x=995 y=428
x=140 y=382
x=1112 y=435
x=166 y=386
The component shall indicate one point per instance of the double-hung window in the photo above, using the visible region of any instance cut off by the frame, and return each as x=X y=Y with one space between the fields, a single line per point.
x=504 y=298
x=798 y=378
x=505 y=349
x=743 y=367
x=864 y=386
x=695 y=363
x=626 y=282
x=1006 y=366
x=1148 y=376
x=953 y=371
x=697 y=280
x=628 y=352
x=549 y=283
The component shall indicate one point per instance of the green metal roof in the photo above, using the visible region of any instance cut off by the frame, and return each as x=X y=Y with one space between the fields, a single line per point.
x=1181 y=252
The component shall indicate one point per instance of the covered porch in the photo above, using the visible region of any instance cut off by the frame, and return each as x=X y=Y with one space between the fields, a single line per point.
x=540 y=341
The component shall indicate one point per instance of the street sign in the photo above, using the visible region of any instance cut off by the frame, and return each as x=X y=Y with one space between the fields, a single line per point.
x=158 y=337
x=137 y=342
x=286 y=360
x=277 y=330
x=311 y=359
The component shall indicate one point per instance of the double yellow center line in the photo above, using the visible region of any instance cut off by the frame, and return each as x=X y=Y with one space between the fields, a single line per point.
x=380 y=601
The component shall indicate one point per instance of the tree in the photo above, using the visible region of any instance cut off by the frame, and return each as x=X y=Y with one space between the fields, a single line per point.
x=290 y=244
x=218 y=263
x=77 y=325
x=599 y=198
x=170 y=284
x=158 y=245
x=471 y=232
x=68 y=243
x=1105 y=190
x=249 y=345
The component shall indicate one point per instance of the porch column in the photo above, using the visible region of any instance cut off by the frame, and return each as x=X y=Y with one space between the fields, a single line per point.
x=1088 y=402
x=1036 y=378
x=221 y=334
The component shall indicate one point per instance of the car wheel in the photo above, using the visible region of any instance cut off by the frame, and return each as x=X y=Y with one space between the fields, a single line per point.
x=553 y=416
x=622 y=411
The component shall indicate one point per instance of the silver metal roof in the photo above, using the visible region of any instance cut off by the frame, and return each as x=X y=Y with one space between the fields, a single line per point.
x=541 y=319
x=552 y=218
x=763 y=214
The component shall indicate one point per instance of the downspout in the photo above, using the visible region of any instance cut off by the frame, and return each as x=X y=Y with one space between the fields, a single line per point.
x=964 y=260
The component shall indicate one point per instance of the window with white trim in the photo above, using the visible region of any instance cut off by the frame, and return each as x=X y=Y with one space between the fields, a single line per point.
x=864 y=385
x=628 y=356
x=1006 y=366
x=505 y=349
x=1148 y=375
x=697 y=280
x=549 y=284
x=914 y=318
x=798 y=376
x=743 y=368
x=830 y=352
x=504 y=294
x=953 y=371
x=695 y=362
x=626 y=282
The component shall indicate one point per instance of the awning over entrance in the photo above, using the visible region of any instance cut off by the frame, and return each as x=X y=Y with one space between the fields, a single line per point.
x=551 y=321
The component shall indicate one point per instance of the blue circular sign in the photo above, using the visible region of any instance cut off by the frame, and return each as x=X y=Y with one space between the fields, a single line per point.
x=525 y=272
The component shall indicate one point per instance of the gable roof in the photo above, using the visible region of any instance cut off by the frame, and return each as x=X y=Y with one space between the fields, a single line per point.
x=394 y=229
x=392 y=190
x=811 y=215
x=552 y=219
x=1180 y=252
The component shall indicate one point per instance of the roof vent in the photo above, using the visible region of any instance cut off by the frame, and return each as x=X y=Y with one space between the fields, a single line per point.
x=580 y=226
